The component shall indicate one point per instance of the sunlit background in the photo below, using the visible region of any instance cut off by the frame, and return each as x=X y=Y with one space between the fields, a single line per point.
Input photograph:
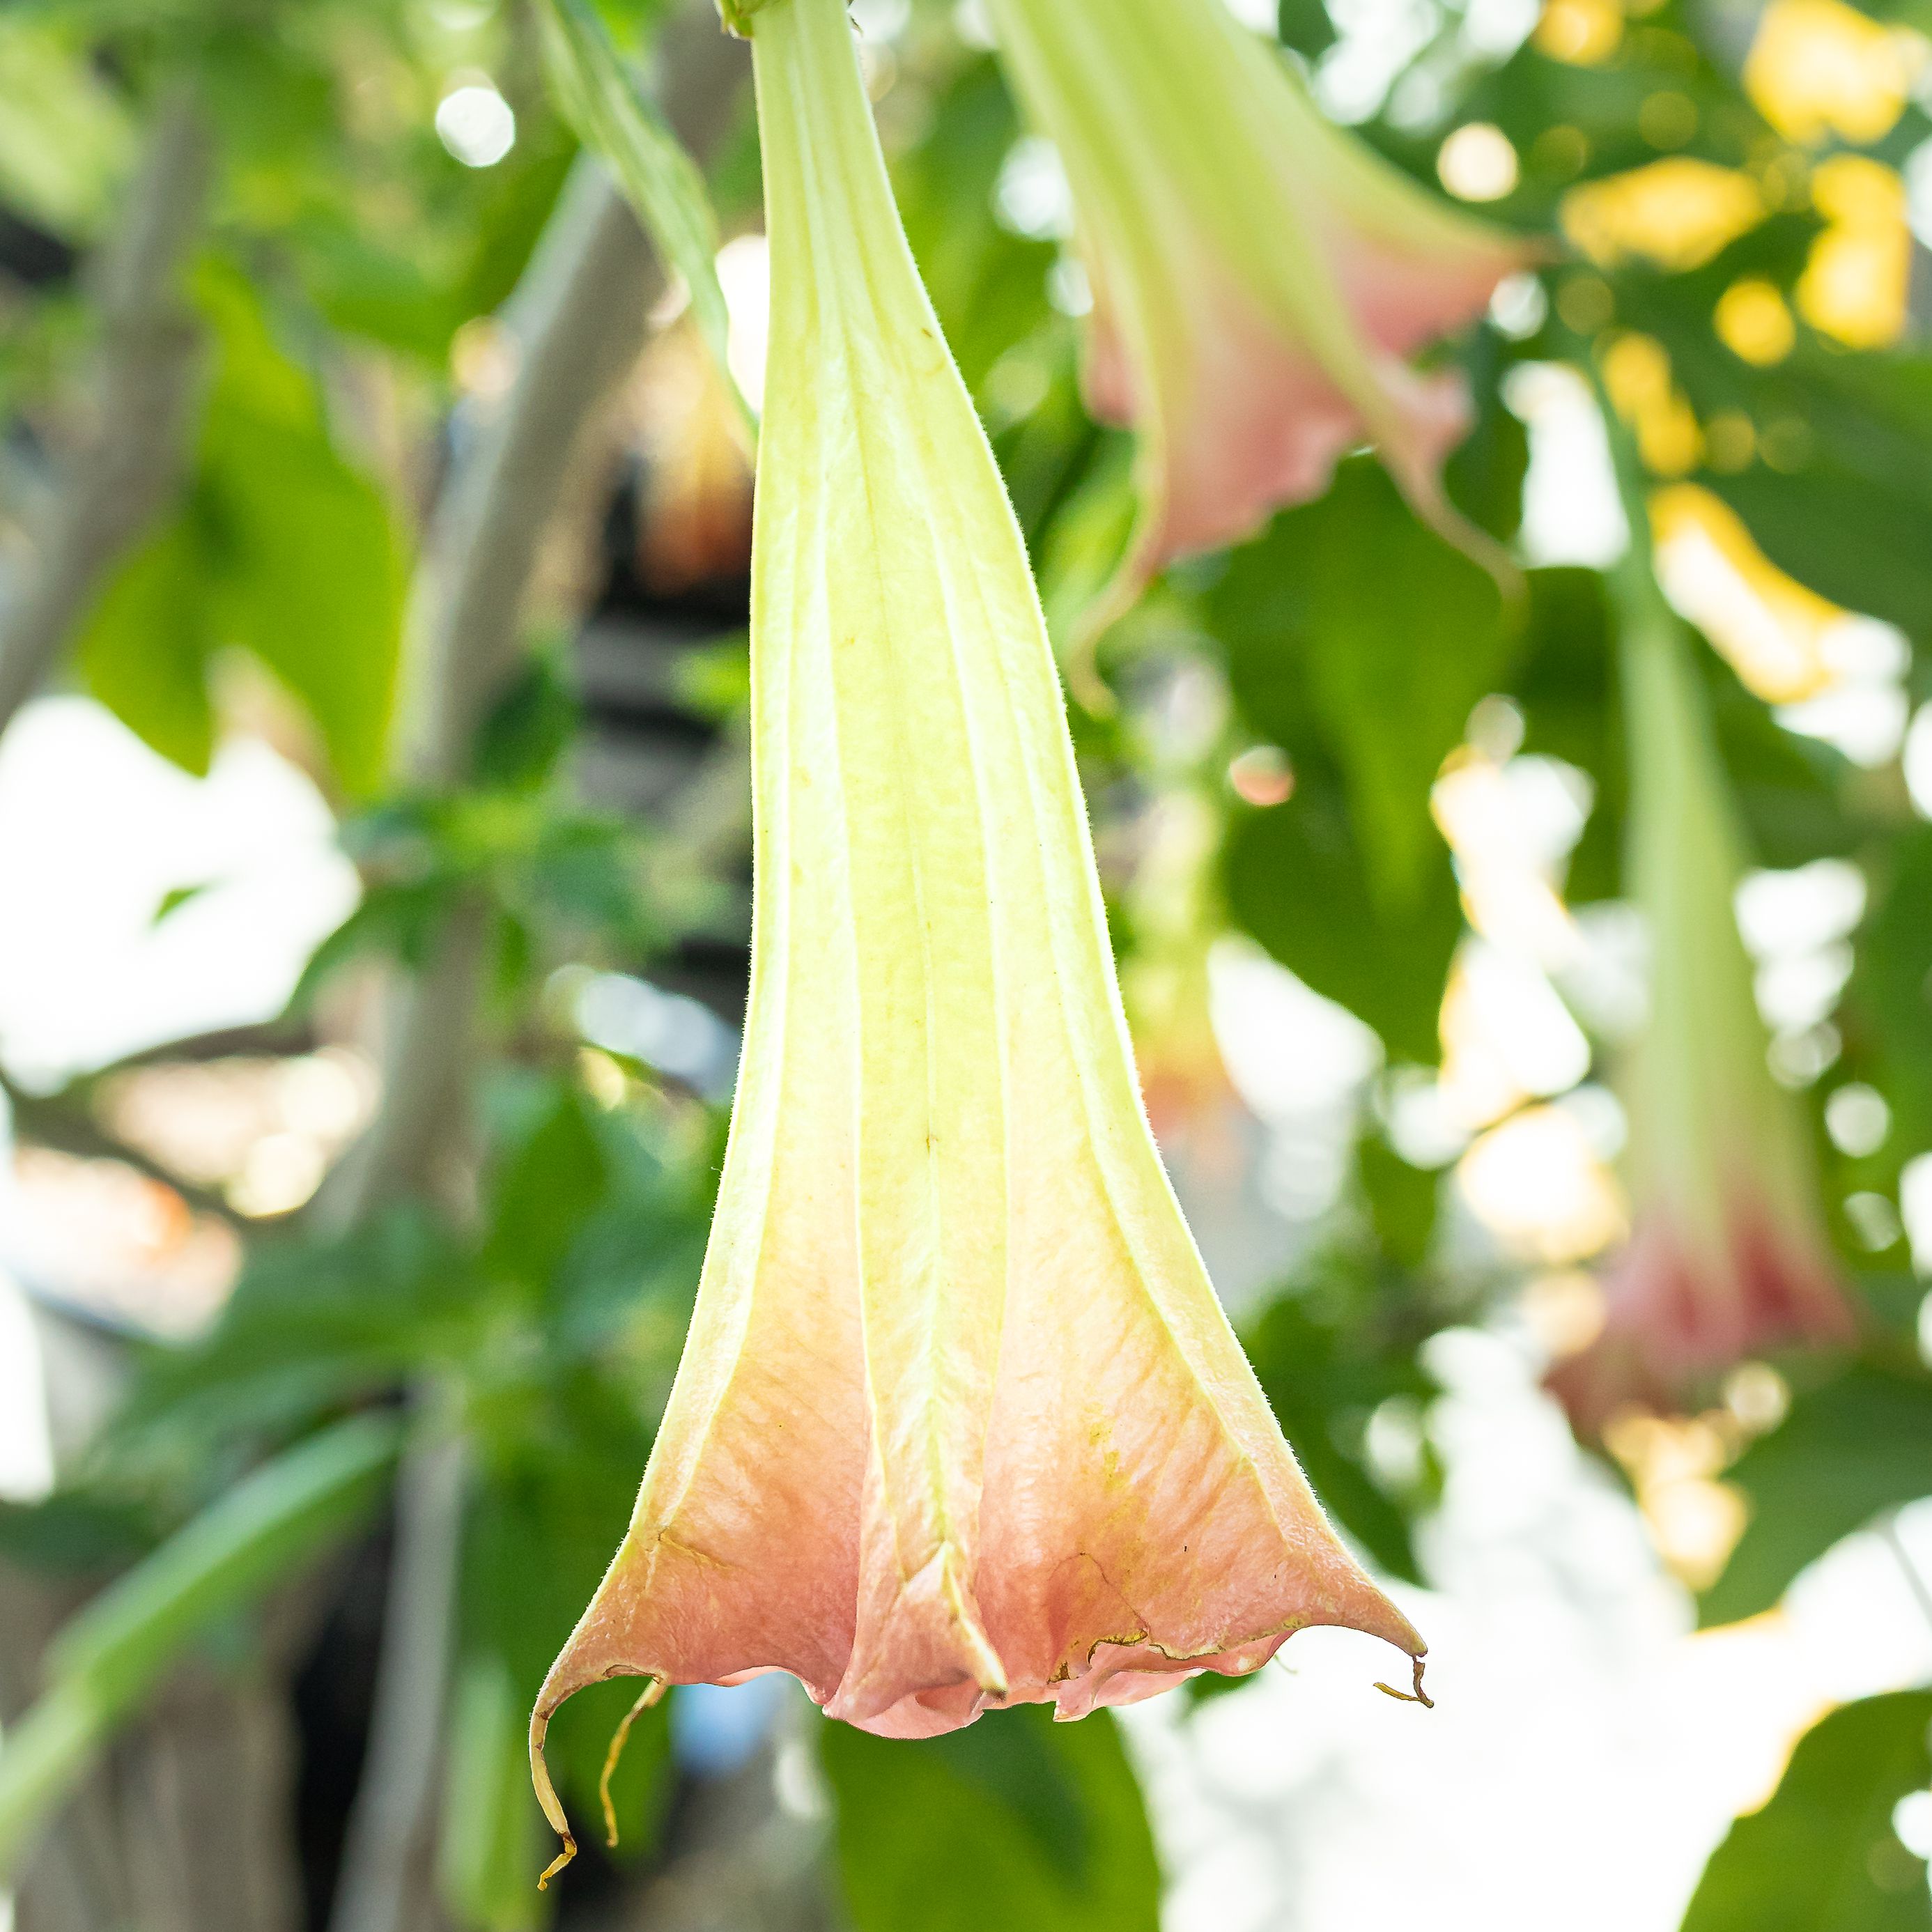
x=1589 y=1746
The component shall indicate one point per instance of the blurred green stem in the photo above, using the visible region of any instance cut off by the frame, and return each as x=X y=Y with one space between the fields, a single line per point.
x=580 y=318
x=127 y=460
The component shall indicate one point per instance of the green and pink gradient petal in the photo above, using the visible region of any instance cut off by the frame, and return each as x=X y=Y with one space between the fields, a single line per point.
x=959 y=1422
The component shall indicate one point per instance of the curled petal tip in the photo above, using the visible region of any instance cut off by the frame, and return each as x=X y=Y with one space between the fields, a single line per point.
x=557 y=1864
x=1416 y=1695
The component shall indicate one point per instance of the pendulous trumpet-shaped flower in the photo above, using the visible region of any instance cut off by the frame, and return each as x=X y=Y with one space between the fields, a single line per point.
x=1727 y=1259
x=1258 y=276
x=959 y=1421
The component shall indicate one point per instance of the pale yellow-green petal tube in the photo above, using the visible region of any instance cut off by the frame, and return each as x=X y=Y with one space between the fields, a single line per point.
x=959 y=1420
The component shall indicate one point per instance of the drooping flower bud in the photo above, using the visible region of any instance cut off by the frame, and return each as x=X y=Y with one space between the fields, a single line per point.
x=959 y=1421
x=1258 y=276
x=1727 y=1259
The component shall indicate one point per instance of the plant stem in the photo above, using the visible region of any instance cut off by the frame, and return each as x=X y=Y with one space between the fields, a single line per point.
x=579 y=319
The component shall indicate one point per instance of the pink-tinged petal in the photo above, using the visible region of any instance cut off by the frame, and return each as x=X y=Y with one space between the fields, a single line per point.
x=1680 y=1311
x=1259 y=277
x=959 y=1422
x=1249 y=422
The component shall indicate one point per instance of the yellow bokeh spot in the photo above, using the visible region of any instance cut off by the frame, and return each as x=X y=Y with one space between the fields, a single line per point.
x=1854 y=287
x=1818 y=68
x=1774 y=633
x=1752 y=322
x=1537 y=1184
x=1584 y=32
x=1677 y=213
x=1636 y=372
x=1674 y=1464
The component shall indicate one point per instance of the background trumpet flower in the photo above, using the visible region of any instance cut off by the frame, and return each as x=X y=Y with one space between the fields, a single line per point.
x=1726 y=1258
x=959 y=1420
x=1258 y=276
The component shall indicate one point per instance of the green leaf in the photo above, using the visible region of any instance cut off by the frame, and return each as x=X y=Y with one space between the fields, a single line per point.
x=1295 y=878
x=1397 y=634
x=1039 y=1827
x=1402 y=1200
x=988 y=284
x=315 y=585
x=1485 y=473
x=1565 y=683
x=1359 y=642
x=282 y=549
x=1890 y=997
x=72 y=1531
x=1859 y=541
x=1859 y=1445
x=546 y=1191
x=175 y=897
x=613 y=115
x=110 y=1655
x=488 y=1846
x=556 y=1482
x=65 y=142
x=312 y=1325
x=1822 y=1856
x=236 y=1547
x=144 y=649
x=1325 y=1369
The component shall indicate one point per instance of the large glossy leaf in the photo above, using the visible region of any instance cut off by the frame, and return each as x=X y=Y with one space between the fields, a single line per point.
x=1296 y=878
x=1822 y=1856
x=1395 y=635
x=1860 y=1444
x=1016 y=1822
x=1359 y=641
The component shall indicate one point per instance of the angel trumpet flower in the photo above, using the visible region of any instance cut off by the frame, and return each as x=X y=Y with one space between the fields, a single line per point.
x=1727 y=1259
x=959 y=1421
x=1257 y=275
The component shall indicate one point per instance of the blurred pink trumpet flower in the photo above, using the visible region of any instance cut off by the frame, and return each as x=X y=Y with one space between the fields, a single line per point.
x=1258 y=276
x=1727 y=1258
x=959 y=1421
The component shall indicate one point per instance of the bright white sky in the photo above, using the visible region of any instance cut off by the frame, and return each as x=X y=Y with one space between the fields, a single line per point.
x=94 y=830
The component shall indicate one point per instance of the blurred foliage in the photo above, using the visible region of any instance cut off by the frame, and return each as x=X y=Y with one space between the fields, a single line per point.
x=346 y=290
x=1848 y=1451
x=1017 y=1821
x=1823 y=1853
